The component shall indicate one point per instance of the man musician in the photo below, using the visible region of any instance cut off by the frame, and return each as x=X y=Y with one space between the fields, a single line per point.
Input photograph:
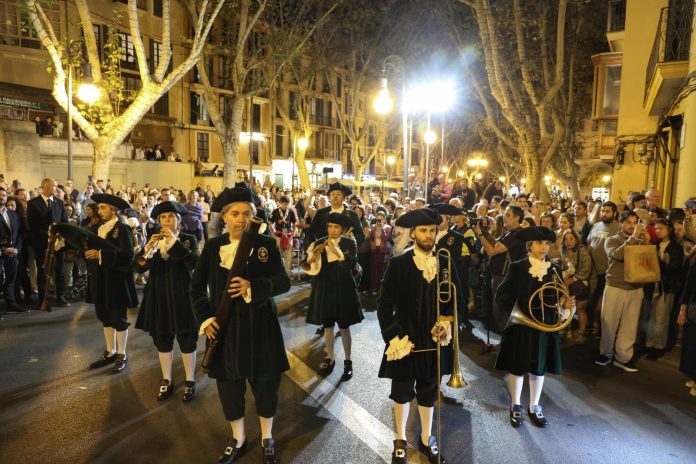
x=337 y=195
x=407 y=312
x=283 y=220
x=251 y=348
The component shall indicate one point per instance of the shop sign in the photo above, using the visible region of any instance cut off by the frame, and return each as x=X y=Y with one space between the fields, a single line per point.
x=21 y=103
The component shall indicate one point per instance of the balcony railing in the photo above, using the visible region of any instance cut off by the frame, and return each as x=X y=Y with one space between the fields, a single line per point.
x=672 y=39
x=616 y=19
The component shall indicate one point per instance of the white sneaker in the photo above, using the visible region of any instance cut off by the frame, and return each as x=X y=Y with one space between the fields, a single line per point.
x=690 y=384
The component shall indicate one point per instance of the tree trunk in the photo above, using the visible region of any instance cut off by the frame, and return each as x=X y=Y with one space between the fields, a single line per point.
x=104 y=148
x=229 y=137
x=358 y=175
x=302 y=172
x=535 y=175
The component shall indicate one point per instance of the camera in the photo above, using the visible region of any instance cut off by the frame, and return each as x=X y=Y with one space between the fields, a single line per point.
x=483 y=222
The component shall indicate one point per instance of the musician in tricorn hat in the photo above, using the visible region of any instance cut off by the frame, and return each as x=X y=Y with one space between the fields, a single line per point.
x=334 y=298
x=113 y=289
x=407 y=312
x=337 y=194
x=165 y=312
x=251 y=344
x=524 y=349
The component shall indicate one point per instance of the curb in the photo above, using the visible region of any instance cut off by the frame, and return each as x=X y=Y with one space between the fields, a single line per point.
x=302 y=293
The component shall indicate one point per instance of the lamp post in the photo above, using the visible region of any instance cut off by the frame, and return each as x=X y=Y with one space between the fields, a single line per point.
x=429 y=138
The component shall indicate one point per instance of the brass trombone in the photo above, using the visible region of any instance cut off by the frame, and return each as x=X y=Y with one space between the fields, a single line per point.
x=446 y=293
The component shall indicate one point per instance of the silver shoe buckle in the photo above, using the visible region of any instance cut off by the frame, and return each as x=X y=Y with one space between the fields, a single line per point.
x=399 y=453
x=163 y=389
x=228 y=450
x=433 y=449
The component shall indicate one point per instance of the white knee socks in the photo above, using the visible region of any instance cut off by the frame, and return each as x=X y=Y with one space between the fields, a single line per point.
x=109 y=334
x=515 y=383
x=329 y=339
x=266 y=426
x=189 y=365
x=346 y=339
x=536 y=383
x=238 y=431
x=400 y=419
x=165 y=360
x=121 y=339
x=426 y=418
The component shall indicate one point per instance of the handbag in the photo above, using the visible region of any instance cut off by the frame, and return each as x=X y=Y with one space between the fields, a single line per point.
x=580 y=290
x=691 y=313
x=641 y=264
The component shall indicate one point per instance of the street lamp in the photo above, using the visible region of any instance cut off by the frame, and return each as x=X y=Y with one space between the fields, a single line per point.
x=460 y=173
x=606 y=178
x=445 y=169
x=429 y=137
x=383 y=103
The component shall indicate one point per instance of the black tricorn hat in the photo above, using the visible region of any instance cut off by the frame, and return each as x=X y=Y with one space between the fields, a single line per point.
x=418 y=217
x=338 y=218
x=445 y=208
x=340 y=187
x=255 y=199
x=231 y=195
x=536 y=233
x=78 y=237
x=168 y=207
x=113 y=200
x=130 y=213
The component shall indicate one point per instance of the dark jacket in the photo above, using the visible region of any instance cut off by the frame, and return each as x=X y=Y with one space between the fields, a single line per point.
x=166 y=306
x=252 y=346
x=11 y=234
x=407 y=306
x=671 y=270
x=112 y=282
x=40 y=218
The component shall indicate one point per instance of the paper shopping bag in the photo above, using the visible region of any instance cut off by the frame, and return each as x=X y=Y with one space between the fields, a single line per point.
x=641 y=264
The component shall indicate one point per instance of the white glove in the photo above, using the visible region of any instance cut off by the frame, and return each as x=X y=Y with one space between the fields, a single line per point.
x=445 y=331
x=398 y=348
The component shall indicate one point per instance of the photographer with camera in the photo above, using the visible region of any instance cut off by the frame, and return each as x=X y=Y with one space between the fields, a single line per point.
x=501 y=252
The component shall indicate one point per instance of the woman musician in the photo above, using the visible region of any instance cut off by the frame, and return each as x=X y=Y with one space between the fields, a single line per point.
x=525 y=349
x=334 y=298
x=165 y=312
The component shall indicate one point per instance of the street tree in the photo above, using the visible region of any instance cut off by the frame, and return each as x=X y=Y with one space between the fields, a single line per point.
x=106 y=123
x=533 y=85
x=255 y=41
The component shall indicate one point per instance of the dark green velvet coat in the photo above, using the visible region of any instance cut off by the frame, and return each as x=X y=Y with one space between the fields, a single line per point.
x=407 y=306
x=166 y=306
x=252 y=346
x=112 y=282
x=524 y=349
x=334 y=296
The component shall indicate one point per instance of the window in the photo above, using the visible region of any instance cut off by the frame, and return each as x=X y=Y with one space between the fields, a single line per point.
x=279 y=141
x=203 y=146
x=15 y=28
x=339 y=87
x=142 y=4
x=612 y=89
x=155 y=54
x=162 y=105
x=131 y=86
x=128 y=58
x=157 y=8
x=256 y=118
x=199 y=112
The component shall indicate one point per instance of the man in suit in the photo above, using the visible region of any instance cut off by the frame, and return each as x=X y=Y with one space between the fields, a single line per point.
x=10 y=246
x=337 y=195
x=43 y=211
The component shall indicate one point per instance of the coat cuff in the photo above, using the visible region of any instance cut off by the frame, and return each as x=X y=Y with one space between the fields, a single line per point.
x=205 y=324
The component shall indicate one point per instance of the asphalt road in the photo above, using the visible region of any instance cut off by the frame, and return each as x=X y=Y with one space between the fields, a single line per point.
x=54 y=410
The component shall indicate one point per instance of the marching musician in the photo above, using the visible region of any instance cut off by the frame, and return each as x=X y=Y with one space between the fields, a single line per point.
x=112 y=288
x=252 y=350
x=283 y=220
x=525 y=350
x=337 y=195
x=407 y=312
x=334 y=298
x=165 y=312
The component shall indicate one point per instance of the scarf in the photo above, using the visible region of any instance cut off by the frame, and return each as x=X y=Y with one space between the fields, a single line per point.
x=105 y=228
x=538 y=268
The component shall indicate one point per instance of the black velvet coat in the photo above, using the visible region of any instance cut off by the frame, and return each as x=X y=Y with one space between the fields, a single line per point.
x=524 y=349
x=334 y=296
x=407 y=306
x=112 y=282
x=317 y=228
x=166 y=306
x=252 y=346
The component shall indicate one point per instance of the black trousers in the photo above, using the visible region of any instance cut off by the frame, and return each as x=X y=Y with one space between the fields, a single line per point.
x=112 y=317
x=9 y=271
x=39 y=255
x=165 y=342
x=23 y=281
x=424 y=390
x=265 y=392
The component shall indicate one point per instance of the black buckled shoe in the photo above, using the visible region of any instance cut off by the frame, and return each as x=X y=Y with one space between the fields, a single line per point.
x=61 y=302
x=327 y=366
x=347 y=370
x=537 y=416
x=268 y=448
x=189 y=391
x=120 y=363
x=431 y=450
x=105 y=359
x=516 y=415
x=399 y=453
x=232 y=453
x=165 y=390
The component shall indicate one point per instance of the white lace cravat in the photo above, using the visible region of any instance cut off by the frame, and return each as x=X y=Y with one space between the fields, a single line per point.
x=163 y=246
x=227 y=253
x=426 y=263
x=538 y=268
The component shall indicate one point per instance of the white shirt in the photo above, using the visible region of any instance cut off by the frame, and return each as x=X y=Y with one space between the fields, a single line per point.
x=46 y=199
x=426 y=263
x=339 y=210
x=6 y=217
